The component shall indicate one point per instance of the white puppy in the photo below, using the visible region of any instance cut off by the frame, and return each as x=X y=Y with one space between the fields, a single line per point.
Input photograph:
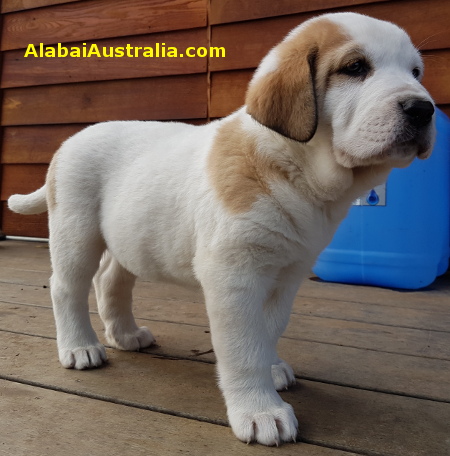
x=240 y=207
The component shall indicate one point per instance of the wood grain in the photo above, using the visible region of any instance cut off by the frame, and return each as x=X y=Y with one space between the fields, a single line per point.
x=23 y=225
x=345 y=365
x=19 y=71
x=21 y=179
x=228 y=91
x=392 y=338
x=335 y=416
x=172 y=97
x=363 y=401
x=8 y=6
x=426 y=24
x=90 y=20
x=35 y=144
x=236 y=10
x=247 y=43
x=38 y=419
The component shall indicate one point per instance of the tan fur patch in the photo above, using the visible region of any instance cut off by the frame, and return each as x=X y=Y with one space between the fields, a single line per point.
x=285 y=100
x=239 y=174
x=51 y=183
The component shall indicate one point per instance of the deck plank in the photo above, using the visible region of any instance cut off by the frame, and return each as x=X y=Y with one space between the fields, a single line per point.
x=35 y=256
x=371 y=363
x=349 y=366
x=54 y=423
x=344 y=328
x=330 y=415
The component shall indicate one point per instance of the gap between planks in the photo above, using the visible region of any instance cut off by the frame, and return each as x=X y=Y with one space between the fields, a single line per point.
x=330 y=415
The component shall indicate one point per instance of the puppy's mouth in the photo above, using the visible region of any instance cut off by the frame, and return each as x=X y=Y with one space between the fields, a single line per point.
x=417 y=134
x=411 y=143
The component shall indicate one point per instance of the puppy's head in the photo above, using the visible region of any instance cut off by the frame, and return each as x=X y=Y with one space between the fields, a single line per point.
x=354 y=76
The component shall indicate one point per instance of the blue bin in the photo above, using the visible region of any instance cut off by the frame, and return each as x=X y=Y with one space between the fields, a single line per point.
x=399 y=238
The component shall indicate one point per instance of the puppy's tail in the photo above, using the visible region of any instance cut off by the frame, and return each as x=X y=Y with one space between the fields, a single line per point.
x=34 y=203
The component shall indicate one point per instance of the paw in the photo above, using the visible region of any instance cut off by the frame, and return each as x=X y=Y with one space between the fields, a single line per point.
x=282 y=375
x=272 y=426
x=86 y=357
x=131 y=341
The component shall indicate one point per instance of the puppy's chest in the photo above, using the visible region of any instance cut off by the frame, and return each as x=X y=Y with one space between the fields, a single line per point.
x=291 y=228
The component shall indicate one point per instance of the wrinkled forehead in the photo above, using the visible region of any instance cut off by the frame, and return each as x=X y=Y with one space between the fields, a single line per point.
x=382 y=42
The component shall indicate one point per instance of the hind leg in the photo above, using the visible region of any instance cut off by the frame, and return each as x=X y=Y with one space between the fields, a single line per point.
x=75 y=247
x=113 y=288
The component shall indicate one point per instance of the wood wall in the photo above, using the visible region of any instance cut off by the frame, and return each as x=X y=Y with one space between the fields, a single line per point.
x=45 y=100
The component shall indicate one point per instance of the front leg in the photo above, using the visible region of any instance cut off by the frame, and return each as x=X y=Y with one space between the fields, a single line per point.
x=277 y=310
x=245 y=351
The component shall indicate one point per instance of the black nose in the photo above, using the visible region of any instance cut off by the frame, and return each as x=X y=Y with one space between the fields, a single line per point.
x=418 y=112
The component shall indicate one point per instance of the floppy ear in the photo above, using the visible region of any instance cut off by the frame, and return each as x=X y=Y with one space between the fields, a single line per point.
x=284 y=100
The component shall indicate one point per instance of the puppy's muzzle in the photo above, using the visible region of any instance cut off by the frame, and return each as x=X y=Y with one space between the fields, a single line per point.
x=418 y=112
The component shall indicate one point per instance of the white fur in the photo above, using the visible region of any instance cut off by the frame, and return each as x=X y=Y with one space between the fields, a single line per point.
x=34 y=203
x=144 y=192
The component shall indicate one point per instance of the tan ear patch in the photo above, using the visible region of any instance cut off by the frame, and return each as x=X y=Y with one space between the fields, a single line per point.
x=238 y=173
x=285 y=100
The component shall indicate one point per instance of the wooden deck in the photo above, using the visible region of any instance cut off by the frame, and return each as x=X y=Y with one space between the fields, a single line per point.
x=372 y=366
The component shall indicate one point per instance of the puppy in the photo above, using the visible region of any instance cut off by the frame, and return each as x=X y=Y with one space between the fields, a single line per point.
x=240 y=207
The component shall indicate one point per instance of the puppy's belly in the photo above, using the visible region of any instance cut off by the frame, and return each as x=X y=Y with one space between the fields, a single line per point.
x=152 y=246
x=155 y=269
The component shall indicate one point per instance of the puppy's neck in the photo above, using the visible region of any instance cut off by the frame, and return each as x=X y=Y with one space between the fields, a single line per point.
x=247 y=161
x=310 y=167
x=327 y=180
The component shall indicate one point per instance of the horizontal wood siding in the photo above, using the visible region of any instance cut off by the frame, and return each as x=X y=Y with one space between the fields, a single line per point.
x=24 y=178
x=46 y=100
x=36 y=143
x=175 y=97
x=237 y=10
x=247 y=43
x=21 y=225
x=21 y=71
x=8 y=6
x=228 y=91
x=95 y=19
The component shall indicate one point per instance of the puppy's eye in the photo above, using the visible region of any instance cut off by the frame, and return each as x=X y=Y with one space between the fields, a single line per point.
x=355 y=68
x=416 y=73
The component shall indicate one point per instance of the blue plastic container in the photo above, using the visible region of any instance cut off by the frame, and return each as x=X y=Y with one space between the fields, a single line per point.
x=399 y=239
